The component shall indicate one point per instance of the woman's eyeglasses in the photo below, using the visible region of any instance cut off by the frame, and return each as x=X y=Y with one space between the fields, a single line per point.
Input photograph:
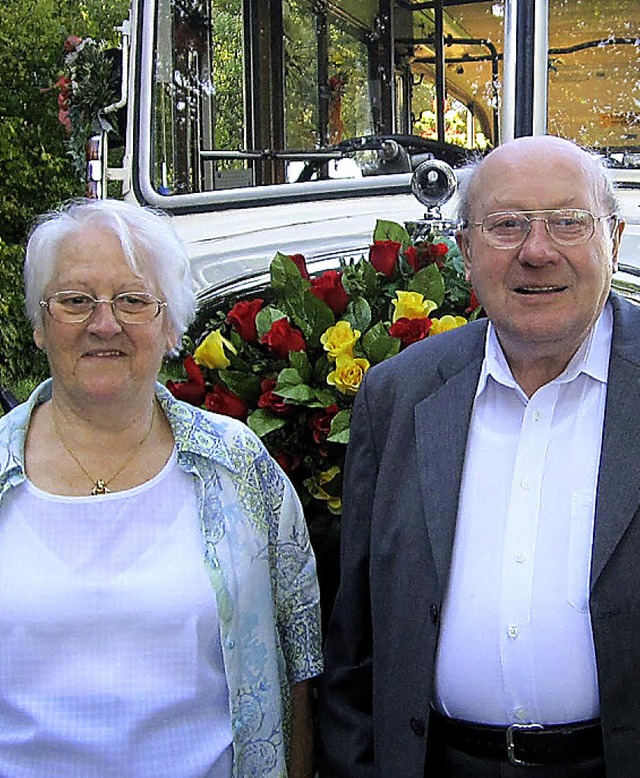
x=71 y=307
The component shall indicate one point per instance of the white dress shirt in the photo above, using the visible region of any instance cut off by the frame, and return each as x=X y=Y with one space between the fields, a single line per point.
x=516 y=643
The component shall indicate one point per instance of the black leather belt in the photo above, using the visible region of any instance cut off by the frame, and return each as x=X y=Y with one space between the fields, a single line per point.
x=520 y=744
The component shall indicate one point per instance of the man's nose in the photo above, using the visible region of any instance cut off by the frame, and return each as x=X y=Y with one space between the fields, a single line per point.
x=102 y=321
x=538 y=247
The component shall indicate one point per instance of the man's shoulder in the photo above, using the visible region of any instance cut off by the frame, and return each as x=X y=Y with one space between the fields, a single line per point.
x=626 y=324
x=448 y=351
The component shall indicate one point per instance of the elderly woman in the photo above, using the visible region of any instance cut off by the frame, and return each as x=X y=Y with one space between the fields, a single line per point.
x=158 y=600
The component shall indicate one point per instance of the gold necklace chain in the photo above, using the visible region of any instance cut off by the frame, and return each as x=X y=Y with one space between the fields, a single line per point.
x=100 y=484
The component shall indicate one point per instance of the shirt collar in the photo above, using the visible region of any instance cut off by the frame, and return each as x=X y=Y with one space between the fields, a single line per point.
x=591 y=358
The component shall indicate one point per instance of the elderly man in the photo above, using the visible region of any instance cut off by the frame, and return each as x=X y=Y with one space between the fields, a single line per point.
x=488 y=618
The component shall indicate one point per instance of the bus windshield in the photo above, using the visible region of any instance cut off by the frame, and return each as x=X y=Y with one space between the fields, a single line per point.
x=246 y=94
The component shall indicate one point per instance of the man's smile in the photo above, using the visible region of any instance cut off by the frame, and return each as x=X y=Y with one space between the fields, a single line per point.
x=534 y=290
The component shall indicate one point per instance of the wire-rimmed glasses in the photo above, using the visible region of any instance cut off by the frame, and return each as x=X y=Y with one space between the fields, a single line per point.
x=566 y=226
x=72 y=307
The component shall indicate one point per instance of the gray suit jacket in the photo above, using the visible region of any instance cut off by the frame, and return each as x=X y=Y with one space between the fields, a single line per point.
x=403 y=471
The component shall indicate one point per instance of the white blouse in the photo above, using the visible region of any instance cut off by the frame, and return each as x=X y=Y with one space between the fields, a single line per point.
x=110 y=657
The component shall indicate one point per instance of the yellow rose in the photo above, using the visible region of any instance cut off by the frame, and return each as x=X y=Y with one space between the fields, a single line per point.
x=339 y=339
x=210 y=352
x=316 y=484
x=446 y=323
x=412 y=305
x=348 y=374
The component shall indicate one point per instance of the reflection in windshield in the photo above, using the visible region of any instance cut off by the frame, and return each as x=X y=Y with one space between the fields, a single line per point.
x=287 y=95
x=594 y=81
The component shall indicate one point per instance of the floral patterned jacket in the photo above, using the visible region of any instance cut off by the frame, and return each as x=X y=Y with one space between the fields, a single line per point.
x=260 y=564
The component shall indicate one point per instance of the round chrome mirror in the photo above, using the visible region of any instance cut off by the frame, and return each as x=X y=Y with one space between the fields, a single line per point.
x=433 y=183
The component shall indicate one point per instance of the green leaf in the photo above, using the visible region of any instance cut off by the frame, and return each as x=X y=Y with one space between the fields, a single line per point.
x=243 y=384
x=313 y=316
x=266 y=317
x=263 y=421
x=340 y=427
x=289 y=284
x=429 y=282
x=325 y=397
x=361 y=280
x=290 y=386
x=300 y=362
x=379 y=345
x=285 y=276
x=358 y=314
x=386 y=230
x=288 y=377
x=298 y=395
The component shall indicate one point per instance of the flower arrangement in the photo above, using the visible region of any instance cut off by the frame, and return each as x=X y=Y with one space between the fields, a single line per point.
x=290 y=360
x=86 y=87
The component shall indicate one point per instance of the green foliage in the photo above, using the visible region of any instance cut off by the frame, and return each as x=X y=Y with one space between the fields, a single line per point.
x=91 y=72
x=35 y=170
x=19 y=359
x=227 y=75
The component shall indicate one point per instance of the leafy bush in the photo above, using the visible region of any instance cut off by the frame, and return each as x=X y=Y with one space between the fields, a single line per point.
x=35 y=169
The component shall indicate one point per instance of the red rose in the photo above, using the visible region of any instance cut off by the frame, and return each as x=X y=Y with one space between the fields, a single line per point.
x=191 y=391
x=413 y=257
x=438 y=250
x=270 y=401
x=222 y=400
x=320 y=422
x=300 y=262
x=410 y=330
x=288 y=462
x=243 y=318
x=283 y=338
x=383 y=256
x=473 y=302
x=328 y=287
x=426 y=254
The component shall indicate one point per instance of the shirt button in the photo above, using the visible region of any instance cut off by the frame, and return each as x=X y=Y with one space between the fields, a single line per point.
x=417 y=727
x=520 y=556
x=521 y=714
x=231 y=643
x=512 y=631
x=536 y=415
x=525 y=484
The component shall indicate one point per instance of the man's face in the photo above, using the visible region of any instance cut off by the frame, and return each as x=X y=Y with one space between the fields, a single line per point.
x=541 y=296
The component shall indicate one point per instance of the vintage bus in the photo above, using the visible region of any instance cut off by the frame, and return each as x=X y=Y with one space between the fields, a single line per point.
x=292 y=125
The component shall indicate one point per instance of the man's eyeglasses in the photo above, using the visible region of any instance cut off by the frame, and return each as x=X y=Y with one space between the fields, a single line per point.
x=71 y=307
x=566 y=226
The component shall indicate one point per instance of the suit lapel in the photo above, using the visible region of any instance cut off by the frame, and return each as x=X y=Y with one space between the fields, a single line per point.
x=619 y=479
x=441 y=426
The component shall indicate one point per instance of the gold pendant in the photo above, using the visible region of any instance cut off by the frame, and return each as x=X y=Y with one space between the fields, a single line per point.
x=100 y=487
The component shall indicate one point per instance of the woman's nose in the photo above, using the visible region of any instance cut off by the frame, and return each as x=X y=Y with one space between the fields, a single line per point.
x=103 y=321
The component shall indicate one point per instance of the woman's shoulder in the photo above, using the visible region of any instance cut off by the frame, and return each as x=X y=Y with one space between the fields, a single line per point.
x=209 y=434
x=15 y=423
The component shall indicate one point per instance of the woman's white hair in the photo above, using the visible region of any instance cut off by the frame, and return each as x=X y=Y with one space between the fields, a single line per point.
x=150 y=244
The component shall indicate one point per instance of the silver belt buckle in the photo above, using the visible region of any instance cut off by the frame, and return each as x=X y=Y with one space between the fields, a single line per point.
x=511 y=745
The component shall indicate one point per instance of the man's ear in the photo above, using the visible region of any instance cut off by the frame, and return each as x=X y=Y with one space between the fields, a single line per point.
x=616 y=238
x=463 y=246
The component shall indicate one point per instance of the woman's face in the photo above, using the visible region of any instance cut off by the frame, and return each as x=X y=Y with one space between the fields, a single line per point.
x=101 y=360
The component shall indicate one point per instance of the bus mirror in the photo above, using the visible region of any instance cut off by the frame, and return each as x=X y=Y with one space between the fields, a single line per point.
x=433 y=183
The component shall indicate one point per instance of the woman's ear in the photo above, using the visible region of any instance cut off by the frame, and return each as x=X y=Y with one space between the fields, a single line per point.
x=172 y=339
x=38 y=337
